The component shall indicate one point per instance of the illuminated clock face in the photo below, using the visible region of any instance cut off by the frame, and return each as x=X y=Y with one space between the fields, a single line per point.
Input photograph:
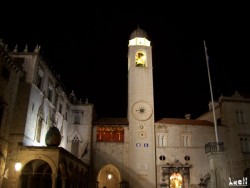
x=142 y=111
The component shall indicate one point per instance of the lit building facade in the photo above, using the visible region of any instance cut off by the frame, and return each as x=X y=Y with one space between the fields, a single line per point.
x=134 y=151
x=41 y=103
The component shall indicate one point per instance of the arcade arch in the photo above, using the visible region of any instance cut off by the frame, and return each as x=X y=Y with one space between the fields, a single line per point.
x=109 y=177
x=36 y=173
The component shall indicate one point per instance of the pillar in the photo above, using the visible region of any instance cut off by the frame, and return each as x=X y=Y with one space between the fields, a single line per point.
x=53 y=177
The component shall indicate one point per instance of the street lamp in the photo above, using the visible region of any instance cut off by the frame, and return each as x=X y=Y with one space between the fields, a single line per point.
x=109 y=176
x=18 y=166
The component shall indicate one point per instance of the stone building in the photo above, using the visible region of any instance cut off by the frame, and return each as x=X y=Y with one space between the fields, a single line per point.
x=10 y=74
x=233 y=113
x=110 y=153
x=181 y=158
x=41 y=104
x=59 y=143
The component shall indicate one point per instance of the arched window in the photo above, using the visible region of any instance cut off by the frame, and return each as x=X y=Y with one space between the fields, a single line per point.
x=245 y=144
x=240 y=116
x=186 y=140
x=39 y=78
x=162 y=140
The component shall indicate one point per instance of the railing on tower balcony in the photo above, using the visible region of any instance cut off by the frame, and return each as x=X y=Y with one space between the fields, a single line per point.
x=214 y=147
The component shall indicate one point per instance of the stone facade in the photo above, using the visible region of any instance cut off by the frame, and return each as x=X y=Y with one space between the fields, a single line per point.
x=110 y=156
x=10 y=74
x=182 y=141
x=39 y=101
x=126 y=152
x=233 y=112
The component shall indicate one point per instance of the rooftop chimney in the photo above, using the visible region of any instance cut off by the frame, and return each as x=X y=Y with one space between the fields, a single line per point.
x=188 y=116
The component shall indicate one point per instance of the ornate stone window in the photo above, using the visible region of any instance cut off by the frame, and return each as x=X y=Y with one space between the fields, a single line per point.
x=39 y=78
x=185 y=140
x=175 y=175
x=162 y=140
x=50 y=91
x=77 y=118
x=245 y=144
x=240 y=116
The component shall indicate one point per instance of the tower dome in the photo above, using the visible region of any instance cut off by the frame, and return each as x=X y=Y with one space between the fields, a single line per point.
x=138 y=33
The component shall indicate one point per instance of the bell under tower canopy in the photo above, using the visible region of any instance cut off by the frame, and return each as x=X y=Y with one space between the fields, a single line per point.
x=138 y=33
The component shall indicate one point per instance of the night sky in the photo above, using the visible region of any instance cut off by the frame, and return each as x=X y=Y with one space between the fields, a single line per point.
x=88 y=48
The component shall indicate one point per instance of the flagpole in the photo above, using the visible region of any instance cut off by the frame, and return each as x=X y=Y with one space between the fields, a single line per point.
x=211 y=92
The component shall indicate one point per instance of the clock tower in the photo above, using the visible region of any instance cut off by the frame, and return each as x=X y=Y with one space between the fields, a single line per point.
x=141 y=111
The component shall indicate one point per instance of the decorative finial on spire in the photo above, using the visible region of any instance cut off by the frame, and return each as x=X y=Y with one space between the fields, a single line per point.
x=37 y=48
x=2 y=44
x=15 y=49
x=26 y=48
x=6 y=48
x=73 y=97
x=72 y=94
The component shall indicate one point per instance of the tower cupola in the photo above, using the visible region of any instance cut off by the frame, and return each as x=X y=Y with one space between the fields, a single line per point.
x=138 y=33
x=139 y=37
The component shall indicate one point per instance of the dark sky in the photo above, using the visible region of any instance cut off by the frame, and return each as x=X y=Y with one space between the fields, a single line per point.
x=88 y=48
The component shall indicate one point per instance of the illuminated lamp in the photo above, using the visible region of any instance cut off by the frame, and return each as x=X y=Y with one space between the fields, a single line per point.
x=109 y=176
x=18 y=166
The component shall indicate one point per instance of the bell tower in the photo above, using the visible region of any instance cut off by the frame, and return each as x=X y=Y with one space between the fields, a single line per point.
x=141 y=111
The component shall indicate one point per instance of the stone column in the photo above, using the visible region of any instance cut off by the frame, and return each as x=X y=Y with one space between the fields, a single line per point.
x=124 y=184
x=64 y=180
x=185 y=180
x=217 y=169
x=29 y=181
x=53 y=178
x=167 y=180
